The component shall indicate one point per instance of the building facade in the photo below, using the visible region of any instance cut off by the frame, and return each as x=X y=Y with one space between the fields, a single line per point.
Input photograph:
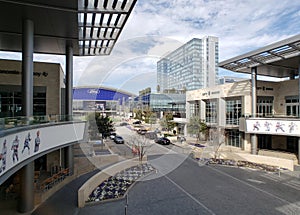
x=191 y=66
x=100 y=99
x=227 y=106
x=48 y=81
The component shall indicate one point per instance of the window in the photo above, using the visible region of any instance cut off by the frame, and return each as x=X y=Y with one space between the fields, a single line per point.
x=292 y=106
x=265 y=105
x=194 y=109
x=234 y=138
x=233 y=111
x=211 y=111
x=11 y=101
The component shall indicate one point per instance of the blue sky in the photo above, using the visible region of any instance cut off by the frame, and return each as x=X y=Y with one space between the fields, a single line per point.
x=157 y=27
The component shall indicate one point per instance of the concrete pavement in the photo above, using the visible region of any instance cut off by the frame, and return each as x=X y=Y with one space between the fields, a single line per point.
x=187 y=189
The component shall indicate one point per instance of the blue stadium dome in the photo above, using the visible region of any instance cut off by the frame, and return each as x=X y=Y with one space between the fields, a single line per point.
x=101 y=94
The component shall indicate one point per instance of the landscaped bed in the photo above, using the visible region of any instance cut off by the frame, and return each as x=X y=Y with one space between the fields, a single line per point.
x=247 y=164
x=116 y=186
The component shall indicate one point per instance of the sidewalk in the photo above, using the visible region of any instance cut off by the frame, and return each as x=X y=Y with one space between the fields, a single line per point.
x=196 y=150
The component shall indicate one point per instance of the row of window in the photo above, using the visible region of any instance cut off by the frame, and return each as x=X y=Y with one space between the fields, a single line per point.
x=234 y=109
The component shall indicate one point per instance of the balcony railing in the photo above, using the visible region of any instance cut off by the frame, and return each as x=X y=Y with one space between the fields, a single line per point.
x=13 y=122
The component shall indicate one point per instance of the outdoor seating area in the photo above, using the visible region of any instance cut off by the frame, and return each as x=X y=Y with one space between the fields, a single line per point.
x=51 y=181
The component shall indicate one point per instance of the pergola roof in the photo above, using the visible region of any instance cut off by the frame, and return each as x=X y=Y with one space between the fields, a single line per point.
x=277 y=60
x=92 y=27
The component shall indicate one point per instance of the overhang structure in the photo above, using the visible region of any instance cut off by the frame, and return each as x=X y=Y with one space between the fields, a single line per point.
x=60 y=27
x=280 y=60
x=91 y=27
x=277 y=60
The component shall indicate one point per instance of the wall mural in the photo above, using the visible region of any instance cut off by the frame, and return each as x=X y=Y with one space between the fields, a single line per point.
x=273 y=126
x=18 y=147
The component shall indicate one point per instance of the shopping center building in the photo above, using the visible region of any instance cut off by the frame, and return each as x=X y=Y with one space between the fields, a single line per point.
x=259 y=117
x=38 y=130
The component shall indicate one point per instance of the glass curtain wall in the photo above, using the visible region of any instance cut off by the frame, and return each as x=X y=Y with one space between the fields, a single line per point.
x=11 y=101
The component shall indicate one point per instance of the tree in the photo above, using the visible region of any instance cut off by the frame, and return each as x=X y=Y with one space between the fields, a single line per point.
x=197 y=126
x=99 y=124
x=147 y=114
x=167 y=121
x=217 y=138
x=105 y=125
x=152 y=119
x=139 y=146
x=138 y=114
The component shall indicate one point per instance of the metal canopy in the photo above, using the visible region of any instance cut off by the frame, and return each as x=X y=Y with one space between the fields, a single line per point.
x=92 y=27
x=277 y=60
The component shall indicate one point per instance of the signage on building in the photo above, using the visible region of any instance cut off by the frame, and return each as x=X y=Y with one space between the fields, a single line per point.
x=273 y=126
x=93 y=91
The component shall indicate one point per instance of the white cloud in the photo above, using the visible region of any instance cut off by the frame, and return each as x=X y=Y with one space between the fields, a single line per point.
x=158 y=26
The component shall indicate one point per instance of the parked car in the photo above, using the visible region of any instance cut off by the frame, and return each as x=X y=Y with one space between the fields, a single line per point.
x=137 y=122
x=124 y=124
x=119 y=139
x=112 y=135
x=142 y=131
x=163 y=141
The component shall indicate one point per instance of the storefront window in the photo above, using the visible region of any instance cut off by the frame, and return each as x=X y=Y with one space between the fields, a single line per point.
x=234 y=138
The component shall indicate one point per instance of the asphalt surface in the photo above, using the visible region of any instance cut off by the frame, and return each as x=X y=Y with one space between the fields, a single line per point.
x=182 y=185
x=190 y=188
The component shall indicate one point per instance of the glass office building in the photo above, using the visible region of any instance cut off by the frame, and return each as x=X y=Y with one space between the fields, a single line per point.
x=191 y=66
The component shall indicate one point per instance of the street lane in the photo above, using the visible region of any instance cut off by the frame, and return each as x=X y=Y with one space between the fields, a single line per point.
x=182 y=185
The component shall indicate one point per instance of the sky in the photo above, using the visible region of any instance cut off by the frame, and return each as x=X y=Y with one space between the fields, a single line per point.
x=158 y=27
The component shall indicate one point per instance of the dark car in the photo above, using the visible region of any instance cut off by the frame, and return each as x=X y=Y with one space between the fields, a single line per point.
x=163 y=141
x=137 y=122
x=119 y=139
x=124 y=124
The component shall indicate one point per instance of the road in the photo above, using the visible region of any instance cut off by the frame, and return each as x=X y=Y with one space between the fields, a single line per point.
x=183 y=186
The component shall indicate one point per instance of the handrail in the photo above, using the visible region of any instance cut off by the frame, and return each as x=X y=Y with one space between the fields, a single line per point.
x=13 y=122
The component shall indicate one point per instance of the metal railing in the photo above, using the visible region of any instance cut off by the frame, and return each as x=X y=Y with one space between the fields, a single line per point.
x=13 y=122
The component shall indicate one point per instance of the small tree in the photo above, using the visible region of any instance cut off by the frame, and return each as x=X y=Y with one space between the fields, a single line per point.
x=197 y=126
x=217 y=138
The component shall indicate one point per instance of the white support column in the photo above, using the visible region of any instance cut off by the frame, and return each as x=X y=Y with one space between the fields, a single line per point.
x=253 y=105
